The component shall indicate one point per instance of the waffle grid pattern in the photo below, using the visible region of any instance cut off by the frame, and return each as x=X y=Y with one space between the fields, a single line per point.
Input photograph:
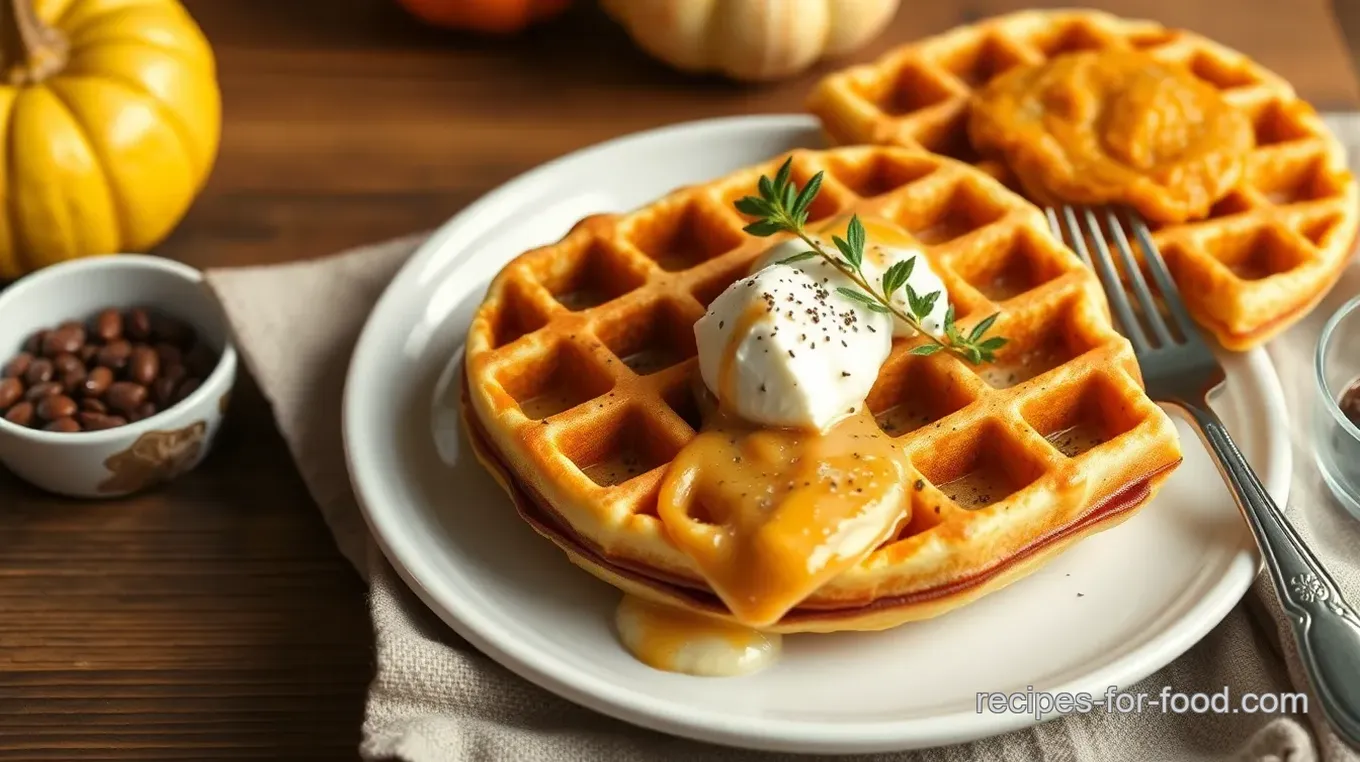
x=1266 y=253
x=581 y=360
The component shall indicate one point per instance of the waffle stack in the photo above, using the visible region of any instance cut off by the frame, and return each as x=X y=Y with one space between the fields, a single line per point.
x=581 y=367
x=1264 y=254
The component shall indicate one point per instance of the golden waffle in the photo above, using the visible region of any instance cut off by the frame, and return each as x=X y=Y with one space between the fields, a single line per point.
x=1264 y=254
x=580 y=365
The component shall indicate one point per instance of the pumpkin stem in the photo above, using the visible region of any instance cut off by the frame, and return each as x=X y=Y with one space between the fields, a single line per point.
x=30 y=51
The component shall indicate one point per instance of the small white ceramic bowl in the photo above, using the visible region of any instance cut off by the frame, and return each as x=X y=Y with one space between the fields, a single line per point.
x=122 y=460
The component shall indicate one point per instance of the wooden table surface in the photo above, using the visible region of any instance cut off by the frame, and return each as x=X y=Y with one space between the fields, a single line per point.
x=213 y=618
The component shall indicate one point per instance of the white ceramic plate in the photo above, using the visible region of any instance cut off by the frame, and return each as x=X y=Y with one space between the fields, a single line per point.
x=1110 y=611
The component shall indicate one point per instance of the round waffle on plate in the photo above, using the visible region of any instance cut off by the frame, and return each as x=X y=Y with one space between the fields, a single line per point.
x=581 y=365
x=1261 y=257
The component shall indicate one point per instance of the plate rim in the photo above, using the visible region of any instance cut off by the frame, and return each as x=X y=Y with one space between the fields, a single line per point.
x=647 y=711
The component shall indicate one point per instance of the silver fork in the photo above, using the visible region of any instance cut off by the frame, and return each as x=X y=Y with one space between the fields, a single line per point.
x=1181 y=372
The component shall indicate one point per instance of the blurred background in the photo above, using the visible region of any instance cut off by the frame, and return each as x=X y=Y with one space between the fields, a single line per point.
x=349 y=121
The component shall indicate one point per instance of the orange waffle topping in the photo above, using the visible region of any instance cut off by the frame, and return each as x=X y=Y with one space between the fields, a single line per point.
x=1114 y=126
x=770 y=515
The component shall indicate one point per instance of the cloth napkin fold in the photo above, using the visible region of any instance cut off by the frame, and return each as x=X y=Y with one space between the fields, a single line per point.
x=434 y=697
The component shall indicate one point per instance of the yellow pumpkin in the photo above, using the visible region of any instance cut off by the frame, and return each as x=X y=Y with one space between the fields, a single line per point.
x=750 y=39
x=110 y=117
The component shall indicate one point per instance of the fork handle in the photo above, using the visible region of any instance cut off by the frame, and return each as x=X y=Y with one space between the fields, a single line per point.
x=1325 y=626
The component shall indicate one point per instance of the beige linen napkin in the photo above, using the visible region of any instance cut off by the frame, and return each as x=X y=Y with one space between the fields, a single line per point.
x=434 y=697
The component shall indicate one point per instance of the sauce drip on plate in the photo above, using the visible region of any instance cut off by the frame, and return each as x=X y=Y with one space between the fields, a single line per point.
x=673 y=640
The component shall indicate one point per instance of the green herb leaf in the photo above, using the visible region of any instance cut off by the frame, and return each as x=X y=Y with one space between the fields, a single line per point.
x=994 y=343
x=858 y=296
x=926 y=350
x=974 y=356
x=951 y=331
x=766 y=189
x=764 y=228
x=852 y=257
x=896 y=276
x=806 y=196
x=981 y=328
x=887 y=282
x=781 y=178
x=797 y=258
x=928 y=304
x=921 y=306
x=753 y=206
x=876 y=307
x=855 y=233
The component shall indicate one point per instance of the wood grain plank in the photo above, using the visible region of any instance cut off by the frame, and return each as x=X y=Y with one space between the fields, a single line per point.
x=211 y=619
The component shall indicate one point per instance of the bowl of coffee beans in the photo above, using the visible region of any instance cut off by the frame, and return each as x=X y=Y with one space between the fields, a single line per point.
x=114 y=374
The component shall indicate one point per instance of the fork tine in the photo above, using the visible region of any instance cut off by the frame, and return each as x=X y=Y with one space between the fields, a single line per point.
x=1139 y=284
x=1171 y=295
x=1053 y=225
x=1057 y=227
x=1114 y=290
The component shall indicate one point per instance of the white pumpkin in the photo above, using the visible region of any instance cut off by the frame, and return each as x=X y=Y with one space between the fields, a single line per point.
x=750 y=39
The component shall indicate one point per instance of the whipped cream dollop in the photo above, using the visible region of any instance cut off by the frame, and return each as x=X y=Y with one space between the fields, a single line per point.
x=782 y=348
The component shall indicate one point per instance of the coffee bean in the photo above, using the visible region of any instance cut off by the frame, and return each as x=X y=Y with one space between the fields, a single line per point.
x=88 y=353
x=143 y=411
x=33 y=345
x=115 y=354
x=169 y=354
x=21 y=414
x=68 y=338
x=99 y=421
x=55 y=406
x=163 y=391
x=175 y=373
x=97 y=382
x=39 y=371
x=137 y=326
x=17 y=366
x=66 y=362
x=45 y=389
x=108 y=325
x=125 y=396
x=74 y=381
x=63 y=425
x=189 y=386
x=92 y=405
x=144 y=365
x=11 y=391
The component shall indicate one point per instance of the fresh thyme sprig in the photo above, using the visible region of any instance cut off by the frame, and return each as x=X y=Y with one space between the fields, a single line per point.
x=783 y=208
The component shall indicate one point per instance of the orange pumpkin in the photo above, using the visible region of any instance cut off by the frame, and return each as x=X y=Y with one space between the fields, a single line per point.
x=495 y=16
